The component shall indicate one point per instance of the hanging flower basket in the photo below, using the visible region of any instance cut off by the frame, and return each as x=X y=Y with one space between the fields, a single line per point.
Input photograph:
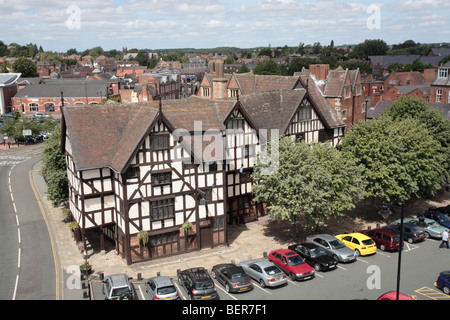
x=142 y=237
x=187 y=227
x=86 y=267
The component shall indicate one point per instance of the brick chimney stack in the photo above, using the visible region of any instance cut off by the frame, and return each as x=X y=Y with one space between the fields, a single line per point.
x=220 y=83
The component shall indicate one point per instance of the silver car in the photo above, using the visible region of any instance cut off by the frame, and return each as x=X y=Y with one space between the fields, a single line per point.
x=265 y=272
x=333 y=246
x=161 y=288
x=118 y=287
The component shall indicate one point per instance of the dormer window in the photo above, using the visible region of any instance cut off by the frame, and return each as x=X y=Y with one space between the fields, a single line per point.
x=443 y=72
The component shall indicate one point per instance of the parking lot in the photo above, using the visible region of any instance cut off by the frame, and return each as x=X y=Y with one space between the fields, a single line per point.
x=366 y=278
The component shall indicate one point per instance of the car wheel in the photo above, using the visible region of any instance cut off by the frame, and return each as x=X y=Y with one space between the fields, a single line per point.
x=292 y=276
x=335 y=257
x=410 y=240
x=262 y=283
x=227 y=288
x=213 y=274
x=446 y=290
x=357 y=253
x=427 y=235
x=317 y=267
x=382 y=247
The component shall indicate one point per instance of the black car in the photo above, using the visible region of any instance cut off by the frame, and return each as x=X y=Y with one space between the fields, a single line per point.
x=445 y=209
x=232 y=277
x=315 y=256
x=198 y=284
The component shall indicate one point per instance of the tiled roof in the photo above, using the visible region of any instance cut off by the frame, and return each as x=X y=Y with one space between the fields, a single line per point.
x=70 y=89
x=272 y=109
x=335 y=83
x=326 y=111
x=250 y=83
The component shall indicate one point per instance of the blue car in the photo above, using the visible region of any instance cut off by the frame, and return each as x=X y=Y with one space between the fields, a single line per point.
x=443 y=281
x=439 y=217
x=411 y=232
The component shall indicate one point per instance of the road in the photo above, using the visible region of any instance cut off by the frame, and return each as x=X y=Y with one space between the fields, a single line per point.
x=27 y=267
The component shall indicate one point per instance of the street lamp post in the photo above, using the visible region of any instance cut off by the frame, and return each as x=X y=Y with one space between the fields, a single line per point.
x=385 y=212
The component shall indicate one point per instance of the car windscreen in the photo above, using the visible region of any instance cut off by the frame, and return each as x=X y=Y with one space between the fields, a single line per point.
x=295 y=261
x=396 y=238
x=237 y=275
x=272 y=270
x=336 y=244
x=166 y=290
x=204 y=285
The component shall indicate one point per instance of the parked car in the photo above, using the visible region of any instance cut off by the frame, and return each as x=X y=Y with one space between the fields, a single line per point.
x=443 y=281
x=338 y=250
x=431 y=228
x=315 y=256
x=232 y=277
x=439 y=217
x=118 y=287
x=386 y=240
x=198 y=284
x=162 y=288
x=444 y=209
x=39 y=138
x=360 y=243
x=392 y=295
x=411 y=232
x=45 y=134
x=265 y=272
x=292 y=264
x=41 y=115
x=19 y=139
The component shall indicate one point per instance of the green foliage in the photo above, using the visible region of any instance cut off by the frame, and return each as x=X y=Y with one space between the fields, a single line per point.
x=401 y=158
x=243 y=68
x=267 y=67
x=432 y=119
x=370 y=48
x=313 y=183
x=54 y=170
x=26 y=67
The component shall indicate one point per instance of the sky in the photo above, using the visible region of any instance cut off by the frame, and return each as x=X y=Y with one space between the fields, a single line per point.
x=59 y=25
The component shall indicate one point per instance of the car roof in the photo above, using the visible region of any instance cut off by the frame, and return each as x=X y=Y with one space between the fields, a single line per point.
x=385 y=231
x=260 y=262
x=162 y=281
x=356 y=235
x=323 y=236
x=119 y=280
x=309 y=245
x=283 y=251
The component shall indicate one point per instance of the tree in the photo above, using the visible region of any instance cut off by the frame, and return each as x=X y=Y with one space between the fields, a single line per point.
x=26 y=67
x=267 y=67
x=370 y=48
x=432 y=119
x=313 y=183
x=265 y=52
x=54 y=170
x=401 y=159
x=243 y=68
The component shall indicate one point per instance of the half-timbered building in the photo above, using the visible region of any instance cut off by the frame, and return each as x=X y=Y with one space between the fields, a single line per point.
x=163 y=178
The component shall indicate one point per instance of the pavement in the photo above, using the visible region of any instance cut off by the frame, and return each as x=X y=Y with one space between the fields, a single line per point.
x=247 y=241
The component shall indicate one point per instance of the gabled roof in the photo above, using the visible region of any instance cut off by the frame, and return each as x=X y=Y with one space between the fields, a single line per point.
x=273 y=109
x=325 y=110
x=105 y=136
x=108 y=135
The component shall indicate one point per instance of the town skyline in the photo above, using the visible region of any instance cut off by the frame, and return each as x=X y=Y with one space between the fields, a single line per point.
x=114 y=24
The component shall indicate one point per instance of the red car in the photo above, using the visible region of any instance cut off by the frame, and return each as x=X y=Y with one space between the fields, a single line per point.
x=385 y=239
x=392 y=295
x=292 y=264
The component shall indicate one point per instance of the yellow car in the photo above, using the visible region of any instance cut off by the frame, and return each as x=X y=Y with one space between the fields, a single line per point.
x=362 y=244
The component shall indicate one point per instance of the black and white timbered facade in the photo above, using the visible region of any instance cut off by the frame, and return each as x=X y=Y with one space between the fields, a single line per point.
x=154 y=168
